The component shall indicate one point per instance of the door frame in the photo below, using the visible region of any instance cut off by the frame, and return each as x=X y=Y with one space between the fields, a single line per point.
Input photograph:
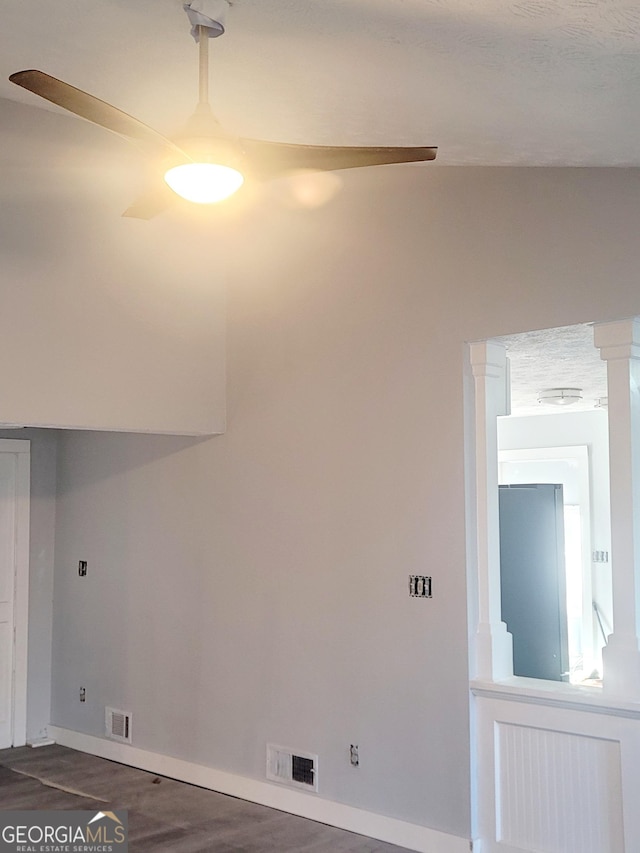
x=513 y=718
x=22 y=450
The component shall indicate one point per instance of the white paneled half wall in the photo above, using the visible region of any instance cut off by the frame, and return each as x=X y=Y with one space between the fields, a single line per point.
x=557 y=776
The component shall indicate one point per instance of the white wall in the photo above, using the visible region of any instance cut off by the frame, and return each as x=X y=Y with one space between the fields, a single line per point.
x=41 y=560
x=252 y=587
x=106 y=323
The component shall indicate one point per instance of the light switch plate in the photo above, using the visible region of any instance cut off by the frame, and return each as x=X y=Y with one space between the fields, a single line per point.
x=419 y=586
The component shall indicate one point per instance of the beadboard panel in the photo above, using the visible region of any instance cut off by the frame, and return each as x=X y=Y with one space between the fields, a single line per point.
x=557 y=791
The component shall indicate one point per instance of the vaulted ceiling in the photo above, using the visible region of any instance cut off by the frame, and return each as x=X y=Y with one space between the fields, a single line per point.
x=492 y=82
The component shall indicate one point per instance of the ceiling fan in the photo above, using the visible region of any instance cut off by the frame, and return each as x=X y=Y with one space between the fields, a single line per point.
x=205 y=164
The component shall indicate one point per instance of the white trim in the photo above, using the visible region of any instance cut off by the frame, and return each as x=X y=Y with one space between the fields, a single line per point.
x=22 y=449
x=418 y=838
x=619 y=345
x=15 y=445
x=555 y=694
x=491 y=652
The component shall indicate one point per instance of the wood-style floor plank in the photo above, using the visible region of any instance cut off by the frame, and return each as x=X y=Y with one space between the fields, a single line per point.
x=165 y=816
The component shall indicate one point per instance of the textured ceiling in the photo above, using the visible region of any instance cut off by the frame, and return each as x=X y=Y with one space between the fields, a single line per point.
x=554 y=358
x=530 y=82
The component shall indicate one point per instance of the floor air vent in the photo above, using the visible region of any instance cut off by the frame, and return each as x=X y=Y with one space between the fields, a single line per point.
x=298 y=769
x=118 y=725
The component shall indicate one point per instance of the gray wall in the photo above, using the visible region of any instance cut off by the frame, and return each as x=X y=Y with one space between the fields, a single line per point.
x=107 y=323
x=41 y=558
x=252 y=587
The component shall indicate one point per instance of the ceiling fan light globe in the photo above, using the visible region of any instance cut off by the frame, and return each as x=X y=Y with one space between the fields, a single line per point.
x=204 y=183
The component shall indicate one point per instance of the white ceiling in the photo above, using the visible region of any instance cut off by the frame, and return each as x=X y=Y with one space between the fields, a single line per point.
x=492 y=82
x=555 y=358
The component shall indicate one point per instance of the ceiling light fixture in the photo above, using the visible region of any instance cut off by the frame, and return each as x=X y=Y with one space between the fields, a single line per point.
x=204 y=183
x=560 y=396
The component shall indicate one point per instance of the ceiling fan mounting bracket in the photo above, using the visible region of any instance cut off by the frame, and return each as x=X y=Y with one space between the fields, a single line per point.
x=207 y=17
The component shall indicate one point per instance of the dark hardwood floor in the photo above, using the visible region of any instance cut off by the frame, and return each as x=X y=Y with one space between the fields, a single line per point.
x=165 y=816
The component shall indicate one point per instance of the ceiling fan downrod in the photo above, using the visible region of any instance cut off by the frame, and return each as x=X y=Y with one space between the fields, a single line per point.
x=203 y=64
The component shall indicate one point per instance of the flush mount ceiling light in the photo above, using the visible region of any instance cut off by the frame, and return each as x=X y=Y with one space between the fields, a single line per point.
x=560 y=396
x=222 y=159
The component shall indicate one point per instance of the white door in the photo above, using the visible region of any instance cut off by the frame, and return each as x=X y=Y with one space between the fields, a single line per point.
x=14 y=538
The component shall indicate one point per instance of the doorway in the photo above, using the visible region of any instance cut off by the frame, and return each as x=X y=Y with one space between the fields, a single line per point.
x=14 y=589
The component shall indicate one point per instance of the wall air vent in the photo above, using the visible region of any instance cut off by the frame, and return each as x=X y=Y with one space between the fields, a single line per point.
x=290 y=767
x=118 y=725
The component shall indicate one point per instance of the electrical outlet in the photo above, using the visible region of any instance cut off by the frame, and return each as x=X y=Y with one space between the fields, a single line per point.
x=354 y=755
x=83 y=694
x=82 y=568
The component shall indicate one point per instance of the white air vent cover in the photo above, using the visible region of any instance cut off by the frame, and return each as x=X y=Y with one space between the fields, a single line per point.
x=291 y=767
x=118 y=725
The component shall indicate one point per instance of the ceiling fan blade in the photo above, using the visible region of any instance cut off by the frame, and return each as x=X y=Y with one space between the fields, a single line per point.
x=268 y=159
x=151 y=203
x=94 y=110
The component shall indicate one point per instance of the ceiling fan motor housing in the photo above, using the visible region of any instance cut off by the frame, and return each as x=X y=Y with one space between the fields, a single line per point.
x=207 y=149
x=204 y=140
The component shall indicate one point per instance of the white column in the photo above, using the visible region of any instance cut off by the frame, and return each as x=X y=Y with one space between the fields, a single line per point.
x=493 y=646
x=619 y=345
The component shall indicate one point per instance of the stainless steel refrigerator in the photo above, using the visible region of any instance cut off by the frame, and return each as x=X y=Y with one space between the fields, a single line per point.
x=533 y=580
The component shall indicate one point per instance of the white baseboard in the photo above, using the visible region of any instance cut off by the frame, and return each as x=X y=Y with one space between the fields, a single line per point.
x=414 y=837
x=40 y=741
